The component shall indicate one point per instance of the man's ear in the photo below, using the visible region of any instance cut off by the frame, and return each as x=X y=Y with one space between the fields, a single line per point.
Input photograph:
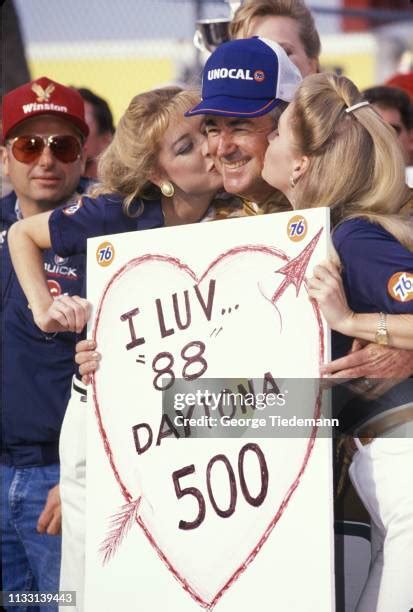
x=106 y=138
x=5 y=160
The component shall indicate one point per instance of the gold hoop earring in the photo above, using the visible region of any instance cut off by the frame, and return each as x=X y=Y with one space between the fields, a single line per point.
x=167 y=189
x=292 y=182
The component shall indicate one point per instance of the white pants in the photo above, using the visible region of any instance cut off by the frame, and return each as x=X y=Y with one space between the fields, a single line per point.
x=72 y=449
x=382 y=474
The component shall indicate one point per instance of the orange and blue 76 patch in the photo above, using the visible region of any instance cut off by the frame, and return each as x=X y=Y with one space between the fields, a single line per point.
x=400 y=286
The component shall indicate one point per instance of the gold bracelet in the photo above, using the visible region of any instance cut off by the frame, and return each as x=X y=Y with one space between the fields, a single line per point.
x=382 y=335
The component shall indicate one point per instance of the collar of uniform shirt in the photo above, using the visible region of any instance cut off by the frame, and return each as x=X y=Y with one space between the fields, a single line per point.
x=276 y=202
x=18 y=211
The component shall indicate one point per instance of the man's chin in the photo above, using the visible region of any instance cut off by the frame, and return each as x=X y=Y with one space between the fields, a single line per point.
x=238 y=184
x=49 y=198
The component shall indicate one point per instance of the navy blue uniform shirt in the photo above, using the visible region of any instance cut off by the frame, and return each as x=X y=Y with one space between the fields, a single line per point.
x=377 y=277
x=71 y=226
x=377 y=272
x=36 y=367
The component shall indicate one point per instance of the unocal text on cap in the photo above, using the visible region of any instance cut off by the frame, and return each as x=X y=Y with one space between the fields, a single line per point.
x=230 y=73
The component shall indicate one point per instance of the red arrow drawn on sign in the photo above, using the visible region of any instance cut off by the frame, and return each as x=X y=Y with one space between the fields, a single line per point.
x=294 y=271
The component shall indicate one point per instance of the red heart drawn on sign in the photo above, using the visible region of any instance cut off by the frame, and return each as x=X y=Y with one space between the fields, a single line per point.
x=221 y=317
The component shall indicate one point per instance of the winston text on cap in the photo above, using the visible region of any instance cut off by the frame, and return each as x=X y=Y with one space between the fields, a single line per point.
x=33 y=107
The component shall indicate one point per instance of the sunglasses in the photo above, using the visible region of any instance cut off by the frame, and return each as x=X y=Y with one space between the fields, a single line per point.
x=28 y=149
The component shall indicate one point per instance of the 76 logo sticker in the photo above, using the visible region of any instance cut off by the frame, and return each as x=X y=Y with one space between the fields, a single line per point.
x=105 y=254
x=297 y=228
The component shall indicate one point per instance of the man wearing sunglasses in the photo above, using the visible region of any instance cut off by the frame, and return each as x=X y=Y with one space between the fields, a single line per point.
x=44 y=130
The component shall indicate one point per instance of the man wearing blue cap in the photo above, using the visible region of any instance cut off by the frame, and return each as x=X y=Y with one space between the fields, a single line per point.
x=247 y=83
x=246 y=86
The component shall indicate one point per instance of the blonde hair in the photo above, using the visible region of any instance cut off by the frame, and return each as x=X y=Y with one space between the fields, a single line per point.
x=128 y=162
x=355 y=163
x=240 y=26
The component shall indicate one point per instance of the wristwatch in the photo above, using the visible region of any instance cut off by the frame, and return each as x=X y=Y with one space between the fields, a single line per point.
x=382 y=335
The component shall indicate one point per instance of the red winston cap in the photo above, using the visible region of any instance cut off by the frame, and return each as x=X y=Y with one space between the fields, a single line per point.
x=42 y=97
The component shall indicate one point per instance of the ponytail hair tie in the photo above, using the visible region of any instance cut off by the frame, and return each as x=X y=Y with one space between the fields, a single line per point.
x=350 y=109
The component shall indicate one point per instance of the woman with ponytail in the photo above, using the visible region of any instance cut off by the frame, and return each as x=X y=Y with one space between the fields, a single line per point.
x=332 y=149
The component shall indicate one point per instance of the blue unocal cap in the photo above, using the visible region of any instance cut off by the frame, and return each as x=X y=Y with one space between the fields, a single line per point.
x=246 y=78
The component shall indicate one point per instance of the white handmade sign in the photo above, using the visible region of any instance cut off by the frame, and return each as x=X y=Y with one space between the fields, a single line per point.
x=176 y=522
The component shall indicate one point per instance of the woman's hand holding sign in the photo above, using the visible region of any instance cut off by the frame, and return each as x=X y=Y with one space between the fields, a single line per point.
x=65 y=313
x=326 y=287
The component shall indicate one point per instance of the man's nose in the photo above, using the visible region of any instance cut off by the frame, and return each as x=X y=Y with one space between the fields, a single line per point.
x=225 y=144
x=46 y=159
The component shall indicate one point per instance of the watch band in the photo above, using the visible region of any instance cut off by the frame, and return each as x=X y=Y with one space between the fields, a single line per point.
x=382 y=335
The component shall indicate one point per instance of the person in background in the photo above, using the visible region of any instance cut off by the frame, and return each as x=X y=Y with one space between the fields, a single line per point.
x=287 y=22
x=6 y=187
x=44 y=131
x=100 y=121
x=396 y=108
x=402 y=80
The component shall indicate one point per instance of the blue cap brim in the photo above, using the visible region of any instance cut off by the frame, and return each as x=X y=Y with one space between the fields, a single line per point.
x=233 y=107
